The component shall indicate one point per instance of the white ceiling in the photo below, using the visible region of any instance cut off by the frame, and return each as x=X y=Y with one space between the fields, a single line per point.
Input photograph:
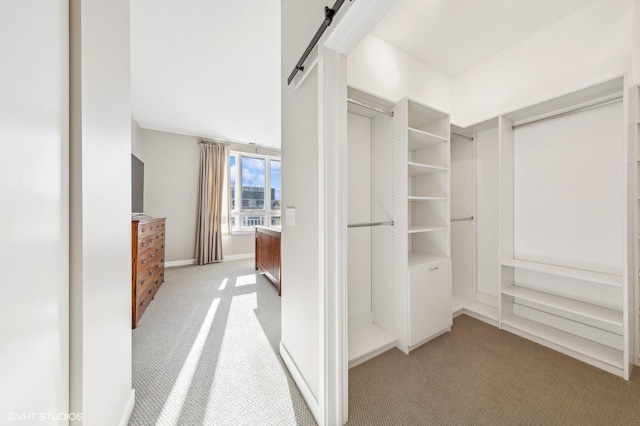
x=453 y=35
x=207 y=68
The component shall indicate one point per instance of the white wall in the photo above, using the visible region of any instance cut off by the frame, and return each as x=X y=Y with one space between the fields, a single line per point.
x=136 y=140
x=588 y=46
x=359 y=211
x=100 y=208
x=171 y=167
x=376 y=66
x=487 y=212
x=34 y=190
x=207 y=67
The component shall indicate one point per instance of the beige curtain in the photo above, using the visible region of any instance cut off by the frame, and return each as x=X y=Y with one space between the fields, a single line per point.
x=214 y=160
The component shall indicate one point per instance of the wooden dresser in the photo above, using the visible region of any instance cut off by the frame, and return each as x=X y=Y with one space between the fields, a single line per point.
x=147 y=262
x=268 y=255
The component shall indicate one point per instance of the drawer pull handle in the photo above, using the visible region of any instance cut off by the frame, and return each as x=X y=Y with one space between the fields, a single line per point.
x=143 y=281
x=434 y=269
x=142 y=302
x=144 y=244
x=143 y=261
x=150 y=240
x=151 y=271
x=144 y=229
x=151 y=254
x=150 y=290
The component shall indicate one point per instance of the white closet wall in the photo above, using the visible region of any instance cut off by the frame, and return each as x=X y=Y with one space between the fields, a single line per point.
x=359 y=211
x=487 y=212
x=568 y=191
x=463 y=205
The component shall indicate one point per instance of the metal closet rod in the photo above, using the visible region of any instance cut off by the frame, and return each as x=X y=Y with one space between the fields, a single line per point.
x=328 y=19
x=381 y=111
x=563 y=114
x=363 y=225
x=460 y=219
x=469 y=138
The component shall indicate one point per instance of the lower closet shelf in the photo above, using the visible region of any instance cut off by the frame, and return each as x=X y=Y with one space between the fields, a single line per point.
x=367 y=342
x=458 y=303
x=593 y=353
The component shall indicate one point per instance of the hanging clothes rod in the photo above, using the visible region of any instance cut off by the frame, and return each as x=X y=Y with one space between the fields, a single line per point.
x=462 y=136
x=363 y=225
x=381 y=111
x=328 y=19
x=460 y=219
x=563 y=114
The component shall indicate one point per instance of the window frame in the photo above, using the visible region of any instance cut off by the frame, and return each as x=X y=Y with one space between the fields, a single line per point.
x=239 y=213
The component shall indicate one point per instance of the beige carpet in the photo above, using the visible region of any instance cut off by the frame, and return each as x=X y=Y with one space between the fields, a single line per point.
x=206 y=352
x=479 y=375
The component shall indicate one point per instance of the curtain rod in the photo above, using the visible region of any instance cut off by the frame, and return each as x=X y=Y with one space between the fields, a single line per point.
x=469 y=138
x=381 y=111
x=328 y=19
x=563 y=114
x=248 y=146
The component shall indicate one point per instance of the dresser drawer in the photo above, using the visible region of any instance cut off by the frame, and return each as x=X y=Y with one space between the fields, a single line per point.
x=148 y=290
x=141 y=304
x=146 y=258
x=145 y=243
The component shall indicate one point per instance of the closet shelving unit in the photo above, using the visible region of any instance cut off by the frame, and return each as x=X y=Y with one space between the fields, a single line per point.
x=582 y=312
x=421 y=161
x=470 y=296
x=372 y=333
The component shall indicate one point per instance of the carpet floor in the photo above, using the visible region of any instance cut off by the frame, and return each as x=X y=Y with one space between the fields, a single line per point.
x=480 y=375
x=206 y=353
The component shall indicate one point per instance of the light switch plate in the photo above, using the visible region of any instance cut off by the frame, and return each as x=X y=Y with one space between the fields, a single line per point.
x=290 y=216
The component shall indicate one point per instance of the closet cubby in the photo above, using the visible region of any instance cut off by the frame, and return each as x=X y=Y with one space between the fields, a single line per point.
x=371 y=280
x=562 y=284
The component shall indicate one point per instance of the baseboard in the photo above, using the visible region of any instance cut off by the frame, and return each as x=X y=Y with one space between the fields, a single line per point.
x=306 y=392
x=237 y=257
x=128 y=409
x=179 y=263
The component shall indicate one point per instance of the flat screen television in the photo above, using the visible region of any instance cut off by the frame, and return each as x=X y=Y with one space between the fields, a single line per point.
x=137 y=185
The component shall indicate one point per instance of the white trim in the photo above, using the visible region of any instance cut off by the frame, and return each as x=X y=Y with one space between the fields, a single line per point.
x=332 y=127
x=175 y=263
x=128 y=409
x=304 y=388
x=237 y=257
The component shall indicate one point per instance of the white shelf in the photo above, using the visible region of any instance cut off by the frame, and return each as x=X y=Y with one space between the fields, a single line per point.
x=580 y=274
x=416 y=259
x=561 y=339
x=417 y=169
x=367 y=342
x=487 y=311
x=587 y=310
x=419 y=139
x=416 y=198
x=416 y=229
x=458 y=304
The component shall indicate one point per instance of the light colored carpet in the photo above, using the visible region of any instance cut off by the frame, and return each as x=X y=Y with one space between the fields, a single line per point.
x=480 y=375
x=206 y=352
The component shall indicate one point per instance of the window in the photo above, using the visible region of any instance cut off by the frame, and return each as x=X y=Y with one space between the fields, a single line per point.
x=255 y=191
